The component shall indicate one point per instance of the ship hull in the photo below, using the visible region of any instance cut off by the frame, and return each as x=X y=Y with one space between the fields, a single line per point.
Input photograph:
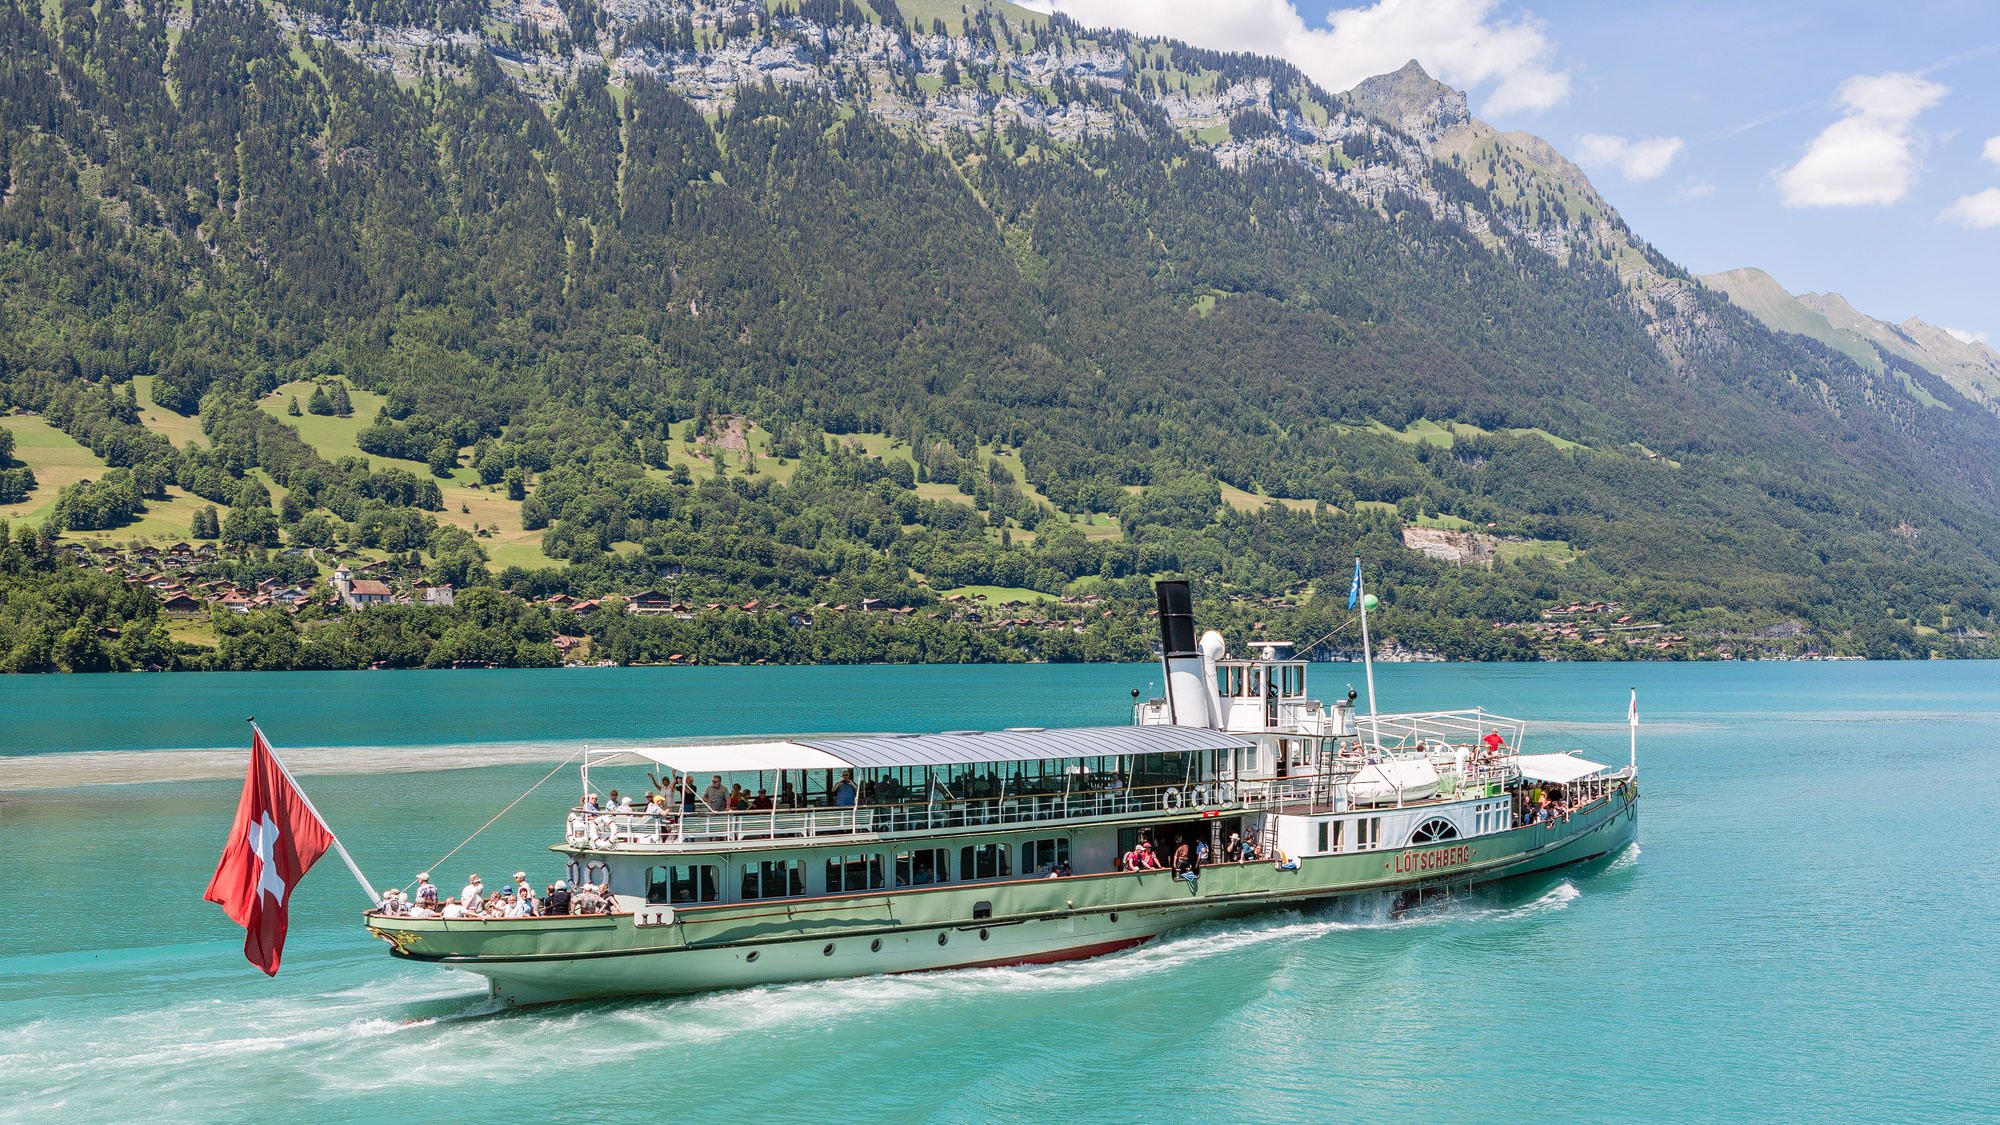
x=962 y=925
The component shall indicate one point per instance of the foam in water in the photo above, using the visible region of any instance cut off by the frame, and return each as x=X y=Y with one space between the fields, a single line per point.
x=418 y=1026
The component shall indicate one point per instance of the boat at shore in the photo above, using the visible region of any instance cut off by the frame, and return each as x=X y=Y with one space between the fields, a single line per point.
x=899 y=853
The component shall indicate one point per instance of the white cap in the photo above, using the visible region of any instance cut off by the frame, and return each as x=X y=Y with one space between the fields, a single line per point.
x=423 y=876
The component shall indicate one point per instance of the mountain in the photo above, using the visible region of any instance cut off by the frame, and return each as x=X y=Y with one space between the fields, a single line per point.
x=1969 y=366
x=894 y=304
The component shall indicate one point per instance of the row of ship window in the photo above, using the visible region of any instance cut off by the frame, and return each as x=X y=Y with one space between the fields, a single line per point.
x=697 y=883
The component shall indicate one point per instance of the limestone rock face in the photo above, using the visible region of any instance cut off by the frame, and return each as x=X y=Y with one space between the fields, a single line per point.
x=1460 y=548
x=1413 y=101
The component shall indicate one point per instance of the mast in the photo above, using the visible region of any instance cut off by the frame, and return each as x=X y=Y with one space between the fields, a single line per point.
x=1635 y=733
x=1356 y=597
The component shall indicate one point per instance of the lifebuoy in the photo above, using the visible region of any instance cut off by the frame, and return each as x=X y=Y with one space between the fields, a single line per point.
x=1171 y=799
x=597 y=871
x=1198 y=796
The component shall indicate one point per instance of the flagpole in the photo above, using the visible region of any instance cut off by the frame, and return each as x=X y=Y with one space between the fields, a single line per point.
x=367 y=887
x=1367 y=653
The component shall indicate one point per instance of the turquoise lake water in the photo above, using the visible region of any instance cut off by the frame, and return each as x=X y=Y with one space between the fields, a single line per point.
x=1809 y=928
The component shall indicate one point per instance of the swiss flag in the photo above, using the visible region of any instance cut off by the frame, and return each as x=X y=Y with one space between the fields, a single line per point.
x=276 y=839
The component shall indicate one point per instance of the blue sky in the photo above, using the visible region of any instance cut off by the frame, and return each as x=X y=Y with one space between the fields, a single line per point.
x=1840 y=146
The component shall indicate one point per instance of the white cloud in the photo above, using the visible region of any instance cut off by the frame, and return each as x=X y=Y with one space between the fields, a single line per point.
x=1978 y=211
x=1964 y=337
x=1644 y=159
x=1869 y=155
x=1694 y=189
x=1464 y=42
x=1992 y=150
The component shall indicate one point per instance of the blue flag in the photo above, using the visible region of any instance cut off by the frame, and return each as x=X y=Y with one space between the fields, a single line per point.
x=1354 y=591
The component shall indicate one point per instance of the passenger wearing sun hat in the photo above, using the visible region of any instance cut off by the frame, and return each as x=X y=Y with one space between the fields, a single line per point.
x=426 y=890
x=473 y=894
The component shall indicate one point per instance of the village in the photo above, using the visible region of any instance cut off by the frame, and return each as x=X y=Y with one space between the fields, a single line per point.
x=193 y=580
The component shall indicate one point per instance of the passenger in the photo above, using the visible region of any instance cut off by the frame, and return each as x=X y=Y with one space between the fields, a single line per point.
x=761 y=802
x=526 y=892
x=387 y=903
x=1237 y=851
x=1148 y=861
x=427 y=891
x=622 y=804
x=738 y=799
x=788 y=798
x=844 y=793
x=688 y=795
x=1059 y=871
x=715 y=796
x=518 y=905
x=1493 y=743
x=558 y=898
x=1200 y=851
x=590 y=803
x=454 y=909
x=422 y=909
x=473 y=894
x=1186 y=866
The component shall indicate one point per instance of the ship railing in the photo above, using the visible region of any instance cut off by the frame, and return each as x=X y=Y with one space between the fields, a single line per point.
x=617 y=828
x=1439 y=731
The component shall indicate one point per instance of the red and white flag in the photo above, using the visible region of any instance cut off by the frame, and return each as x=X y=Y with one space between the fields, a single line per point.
x=1635 y=708
x=276 y=839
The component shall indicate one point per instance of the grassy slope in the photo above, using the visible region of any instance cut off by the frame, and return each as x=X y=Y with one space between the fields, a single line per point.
x=1760 y=295
x=56 y=459
x=466 y=503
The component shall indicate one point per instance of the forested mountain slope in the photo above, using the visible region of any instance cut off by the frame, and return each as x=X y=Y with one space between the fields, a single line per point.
x=835 y=301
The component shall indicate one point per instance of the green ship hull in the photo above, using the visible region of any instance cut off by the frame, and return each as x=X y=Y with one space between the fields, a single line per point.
x=670 y=950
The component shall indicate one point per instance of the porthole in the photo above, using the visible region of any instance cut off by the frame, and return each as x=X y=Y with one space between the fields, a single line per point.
x=1114 y=916
x=942 y=938
x=752 y=956
x=828 y=951
x=875 y=946
x=983 y=935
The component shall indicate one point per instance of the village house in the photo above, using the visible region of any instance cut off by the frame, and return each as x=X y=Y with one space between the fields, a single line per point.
x=648 y=603
x=359 y=593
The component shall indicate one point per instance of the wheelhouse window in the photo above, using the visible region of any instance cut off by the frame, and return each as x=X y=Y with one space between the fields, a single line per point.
x=1044 y=856
x=776 y=878
x=923 y=867
x=849 y=873
x=983 y=861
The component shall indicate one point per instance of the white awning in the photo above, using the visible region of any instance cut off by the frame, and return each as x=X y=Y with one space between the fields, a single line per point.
x=1558 y=768
x=736 y=757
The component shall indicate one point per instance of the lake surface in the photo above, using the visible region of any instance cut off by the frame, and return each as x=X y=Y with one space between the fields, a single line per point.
x=1808 y=930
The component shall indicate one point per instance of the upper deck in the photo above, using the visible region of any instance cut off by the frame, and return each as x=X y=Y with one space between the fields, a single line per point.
x=811 y=790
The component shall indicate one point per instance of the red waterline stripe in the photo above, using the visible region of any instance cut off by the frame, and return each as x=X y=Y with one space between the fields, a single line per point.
x=1078 y=953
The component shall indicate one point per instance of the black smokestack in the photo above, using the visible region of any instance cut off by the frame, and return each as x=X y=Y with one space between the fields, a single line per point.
x=1176 y=618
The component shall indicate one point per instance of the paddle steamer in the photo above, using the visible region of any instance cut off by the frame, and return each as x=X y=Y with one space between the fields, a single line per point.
x=900 y=853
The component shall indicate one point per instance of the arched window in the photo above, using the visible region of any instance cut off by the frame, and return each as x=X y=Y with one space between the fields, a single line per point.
x=1435 y=829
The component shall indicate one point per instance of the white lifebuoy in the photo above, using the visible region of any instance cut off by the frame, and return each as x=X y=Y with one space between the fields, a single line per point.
x=597 y=871
x=1198 y=796
x=1171 y=799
